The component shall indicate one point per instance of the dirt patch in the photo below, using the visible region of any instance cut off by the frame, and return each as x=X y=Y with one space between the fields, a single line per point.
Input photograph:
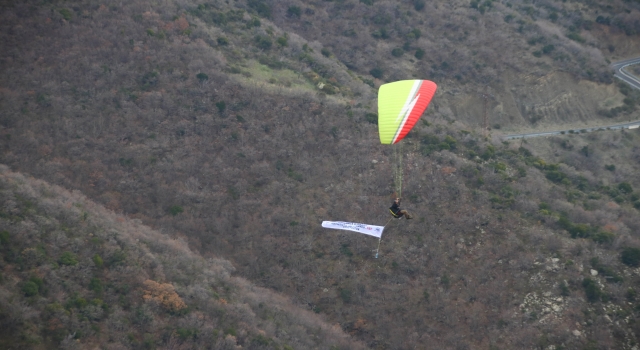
x=534 y=103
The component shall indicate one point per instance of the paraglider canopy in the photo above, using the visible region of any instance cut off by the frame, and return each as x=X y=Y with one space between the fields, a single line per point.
x=400 y=105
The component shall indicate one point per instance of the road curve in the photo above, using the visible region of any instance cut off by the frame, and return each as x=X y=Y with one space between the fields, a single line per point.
x=619 y=73
x=626 y=77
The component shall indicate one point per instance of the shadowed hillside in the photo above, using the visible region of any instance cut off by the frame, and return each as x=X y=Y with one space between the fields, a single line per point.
x=76 y=274
x=237 y=127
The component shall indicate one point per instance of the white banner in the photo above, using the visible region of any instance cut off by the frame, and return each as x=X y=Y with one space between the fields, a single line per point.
x=371 y=230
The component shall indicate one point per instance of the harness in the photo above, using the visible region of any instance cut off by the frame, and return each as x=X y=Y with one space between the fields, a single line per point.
x=394 y=214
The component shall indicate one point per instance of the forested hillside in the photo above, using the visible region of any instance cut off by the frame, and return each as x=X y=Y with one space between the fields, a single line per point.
x=238 y=126
x=78 y=275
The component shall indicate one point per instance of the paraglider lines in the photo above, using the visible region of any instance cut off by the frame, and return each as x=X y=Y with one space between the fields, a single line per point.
x=380 y=238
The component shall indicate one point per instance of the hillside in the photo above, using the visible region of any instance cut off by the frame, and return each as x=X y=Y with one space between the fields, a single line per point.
x=78 y=275
x=237 y=127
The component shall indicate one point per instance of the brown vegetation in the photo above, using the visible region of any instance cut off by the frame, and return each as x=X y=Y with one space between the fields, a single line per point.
x=77 y=275
x=206 y=122
x=163 y=294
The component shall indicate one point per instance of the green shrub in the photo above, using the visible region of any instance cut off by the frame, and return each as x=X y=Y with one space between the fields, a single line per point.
x=397 y=52
x=625 y=187
x=345 y=295
x=126 y=162
x=488 y=153
x=261 y=7
x=381 y=33
x=576 y=37
x=149 y=80
x=630 y=256
x=564 y=289
x=574 y=230
x=603 y=237
x=4 y=237
x=221 y=106
x=202 y=77
x=95 y=285
x=233 y=192
x=413 y=34
x=444 y=146
x=68 y=258
x=222 y=41
x=295 y=175
x=175 y=210
x=450 y=141
x=186 y=333
x=606 y=271
x=254 y=22
x=66 y=14
x=334 y=132
x=97 y=260
x=282 y=41
x=117 y=258
x=603 y=20
x=591 y=290
x=377 y=72
x=294 y=11
x=580 y=230
x=262 y=340
x=344 y=249
x=555 y=176
x=263 y=42
x=29 y=289
x=444 y=280
x=419 y=54
x=77 y=302
x=547 y=49
x=499 y=167
x=631 y=294
x=371 y=118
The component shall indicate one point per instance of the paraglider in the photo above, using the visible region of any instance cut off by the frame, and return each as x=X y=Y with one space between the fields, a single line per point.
x=397 y=212
x=400 y=106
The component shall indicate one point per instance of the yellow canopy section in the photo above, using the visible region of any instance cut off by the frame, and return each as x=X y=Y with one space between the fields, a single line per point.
x=400 y=105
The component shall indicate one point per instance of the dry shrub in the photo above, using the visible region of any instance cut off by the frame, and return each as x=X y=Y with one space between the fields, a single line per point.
x=163 y=294
x=182 y=23
x=448 y=170
x=612 y=205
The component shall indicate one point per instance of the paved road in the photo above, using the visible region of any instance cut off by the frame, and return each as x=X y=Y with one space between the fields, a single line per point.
x=621 y=74
x=631 y=125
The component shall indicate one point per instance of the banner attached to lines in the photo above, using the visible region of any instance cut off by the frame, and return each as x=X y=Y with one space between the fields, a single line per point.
x=371 y=230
